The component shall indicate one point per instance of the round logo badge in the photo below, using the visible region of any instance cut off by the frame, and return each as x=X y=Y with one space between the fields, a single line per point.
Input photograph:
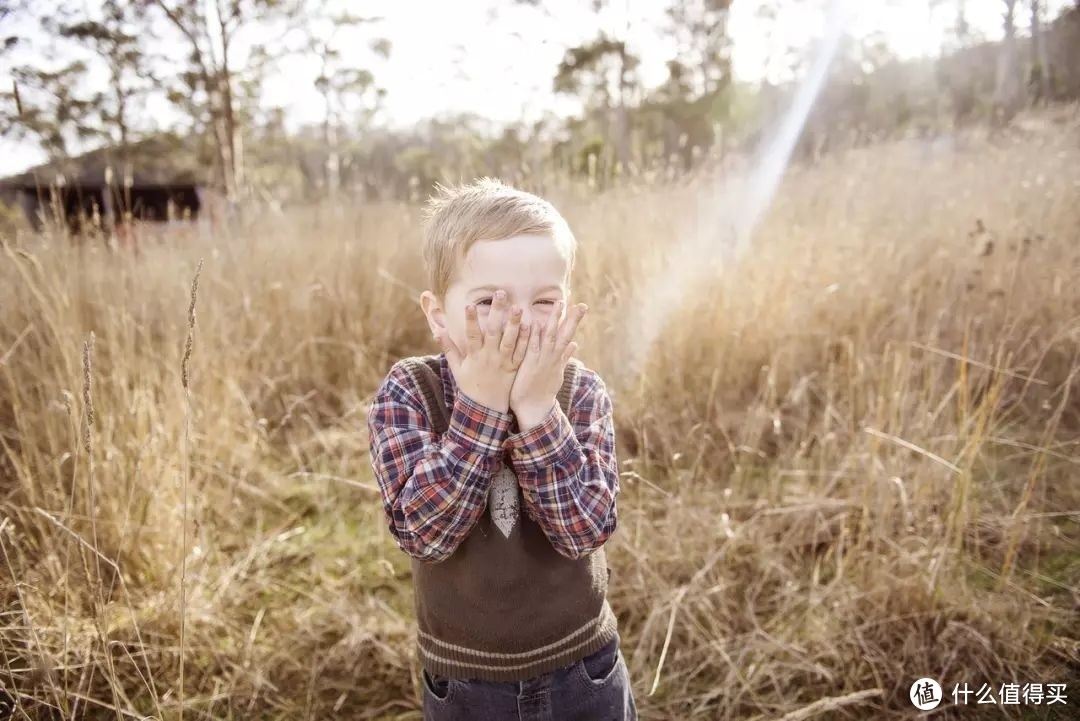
x=925 y=694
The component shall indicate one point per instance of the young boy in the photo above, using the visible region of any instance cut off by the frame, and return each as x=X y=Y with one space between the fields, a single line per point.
x=512 y=609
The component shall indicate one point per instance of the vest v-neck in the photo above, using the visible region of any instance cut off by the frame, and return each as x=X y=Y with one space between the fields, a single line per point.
x=505 y=605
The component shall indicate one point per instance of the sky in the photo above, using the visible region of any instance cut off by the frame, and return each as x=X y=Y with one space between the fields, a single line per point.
x=497 y=58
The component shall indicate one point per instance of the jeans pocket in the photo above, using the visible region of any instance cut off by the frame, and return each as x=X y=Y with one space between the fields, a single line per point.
x=439 y=688
x=599 y=668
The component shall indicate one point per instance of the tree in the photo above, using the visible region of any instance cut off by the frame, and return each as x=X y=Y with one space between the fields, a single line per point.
x=1007 y=84
x=700 y=29
x=210 y=28
x=695 y=96
x=602 y=73
x=684 y=116
x=1039 y=65
x=342 y=87
x=113 y=37
x=47 y=107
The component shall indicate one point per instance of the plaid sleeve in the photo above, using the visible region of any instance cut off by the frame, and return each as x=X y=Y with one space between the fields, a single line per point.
x=568 y=473
x=434 y=487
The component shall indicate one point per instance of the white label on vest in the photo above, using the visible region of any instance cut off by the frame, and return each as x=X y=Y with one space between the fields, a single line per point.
x=503 y=500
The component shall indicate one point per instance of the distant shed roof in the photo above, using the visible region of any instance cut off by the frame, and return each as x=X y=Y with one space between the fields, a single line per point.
x=160 y=160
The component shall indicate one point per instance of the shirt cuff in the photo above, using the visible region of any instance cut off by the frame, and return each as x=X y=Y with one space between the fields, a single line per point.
x=542 y=444
x=477 y=427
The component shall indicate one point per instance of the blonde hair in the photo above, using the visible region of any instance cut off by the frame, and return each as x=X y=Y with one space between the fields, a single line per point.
x=457 y=217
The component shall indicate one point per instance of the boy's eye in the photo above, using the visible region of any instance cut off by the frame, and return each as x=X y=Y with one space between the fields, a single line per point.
x=487 y=301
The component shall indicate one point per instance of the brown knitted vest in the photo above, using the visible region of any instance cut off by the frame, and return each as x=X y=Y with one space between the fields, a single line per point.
x=506 y=608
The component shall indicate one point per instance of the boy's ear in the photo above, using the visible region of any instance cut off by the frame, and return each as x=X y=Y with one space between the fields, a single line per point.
x=436 y=317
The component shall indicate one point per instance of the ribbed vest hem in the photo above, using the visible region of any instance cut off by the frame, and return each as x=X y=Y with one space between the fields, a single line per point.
x=456 y=661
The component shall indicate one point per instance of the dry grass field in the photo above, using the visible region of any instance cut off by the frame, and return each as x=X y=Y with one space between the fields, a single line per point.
x=848 y=462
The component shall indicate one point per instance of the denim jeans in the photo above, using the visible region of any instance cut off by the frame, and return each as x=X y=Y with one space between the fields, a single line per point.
x=595 y=688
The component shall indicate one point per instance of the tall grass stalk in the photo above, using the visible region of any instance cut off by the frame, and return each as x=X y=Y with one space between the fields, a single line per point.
x=185 y=382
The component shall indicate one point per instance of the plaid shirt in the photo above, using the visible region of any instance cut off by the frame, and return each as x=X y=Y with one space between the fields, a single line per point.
x=435 y=488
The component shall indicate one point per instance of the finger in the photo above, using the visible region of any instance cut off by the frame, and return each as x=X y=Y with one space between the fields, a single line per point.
x=511 y=332
x=496 y=318
x=552 y=330
x=472 y=329
x=535 y=337
x=522 y=344
x=571 y=348
x=573 y=318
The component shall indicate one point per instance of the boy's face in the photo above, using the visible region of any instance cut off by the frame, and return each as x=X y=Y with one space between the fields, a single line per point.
x=530 y=269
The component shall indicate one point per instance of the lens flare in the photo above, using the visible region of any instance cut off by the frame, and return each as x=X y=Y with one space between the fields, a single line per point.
x=728 y=209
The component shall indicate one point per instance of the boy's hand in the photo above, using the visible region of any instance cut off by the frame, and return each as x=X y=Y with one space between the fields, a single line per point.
x=484 y=370
x=540 y=375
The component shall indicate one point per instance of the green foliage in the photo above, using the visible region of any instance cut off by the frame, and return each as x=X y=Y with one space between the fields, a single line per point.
x=46 y=106
x=697 y=112
x=600 y=71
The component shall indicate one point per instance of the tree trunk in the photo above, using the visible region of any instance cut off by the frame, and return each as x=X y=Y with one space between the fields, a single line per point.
x=1006 y=92
x=233 y=159
x=233 y=163
x=1039 y=65
x=622 y=121
x=210 y=73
